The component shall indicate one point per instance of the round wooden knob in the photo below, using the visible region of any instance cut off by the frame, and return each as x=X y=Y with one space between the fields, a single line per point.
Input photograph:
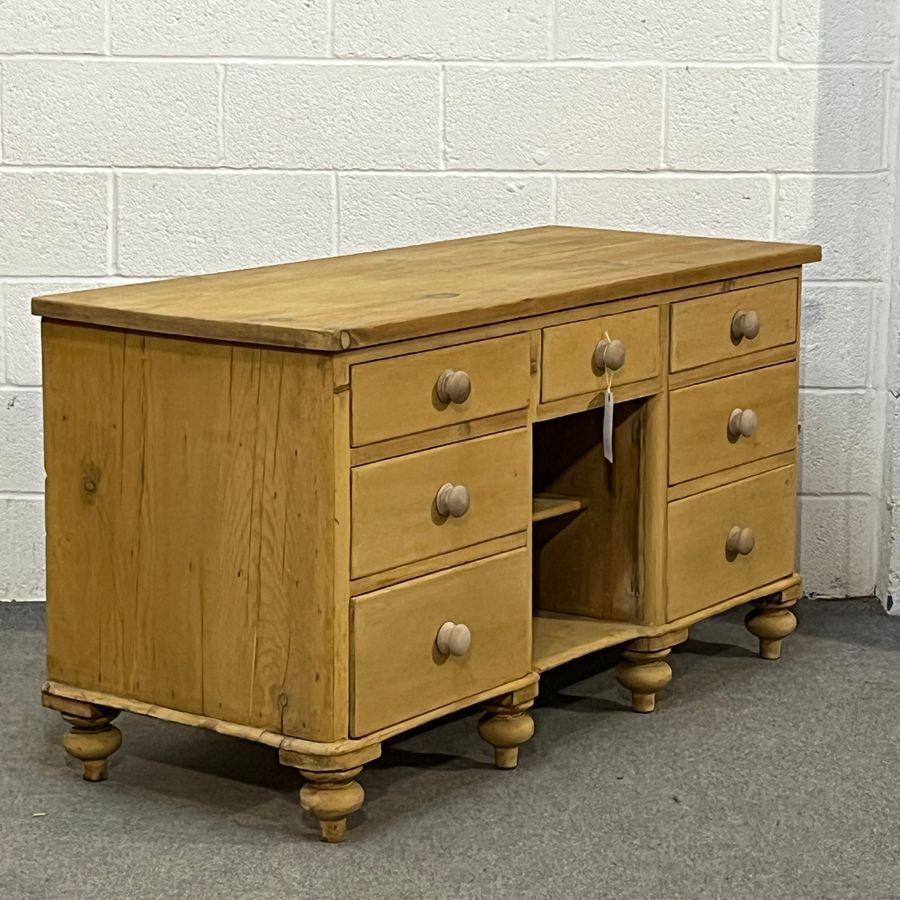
x=745 y=324
x=453 y=386
x=740 y=541
x=609 y=355
x=452 y=500
x=742 y=423
x=453 y=639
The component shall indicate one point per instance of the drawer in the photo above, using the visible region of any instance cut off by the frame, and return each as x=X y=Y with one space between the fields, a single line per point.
x=398 y=670
x=731 y=421
x=702 y=328
x=399 y=396
x=394 y=510
x=701 y=568
x=568 y=367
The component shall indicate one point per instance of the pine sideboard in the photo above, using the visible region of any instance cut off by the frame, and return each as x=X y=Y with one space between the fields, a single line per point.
x=318 y=504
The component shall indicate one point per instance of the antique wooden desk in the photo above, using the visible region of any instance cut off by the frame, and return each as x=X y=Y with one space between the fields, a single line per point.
x=316 y=505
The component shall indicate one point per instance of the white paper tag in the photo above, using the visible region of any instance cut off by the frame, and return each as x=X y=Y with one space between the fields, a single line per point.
x=608 y=425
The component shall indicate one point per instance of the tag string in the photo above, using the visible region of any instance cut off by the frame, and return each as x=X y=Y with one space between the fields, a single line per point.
x=608 y=406
x=609 y=374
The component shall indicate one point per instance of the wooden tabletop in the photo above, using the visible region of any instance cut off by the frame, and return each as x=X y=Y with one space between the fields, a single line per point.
x=372 y=298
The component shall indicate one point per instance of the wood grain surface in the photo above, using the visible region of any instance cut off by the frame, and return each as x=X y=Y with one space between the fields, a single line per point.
x=397 y=669
x=372 y=298
x=190 y=498
x=700 y=572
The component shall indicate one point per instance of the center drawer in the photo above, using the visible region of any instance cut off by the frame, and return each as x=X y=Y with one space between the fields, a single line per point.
x=731 y=421
x=398 y=667
x=572 y=353
x=398 y=518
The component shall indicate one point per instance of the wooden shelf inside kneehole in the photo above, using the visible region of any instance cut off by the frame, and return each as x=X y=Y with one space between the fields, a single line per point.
x=558 y=638
x=549 y=506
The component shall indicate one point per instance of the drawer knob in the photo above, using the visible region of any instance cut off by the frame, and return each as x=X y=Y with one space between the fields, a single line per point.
x=740 y=541
x=453 y=386
x=453 y=639
x=742 y=422
x=745 y=324
x=452 y=500
x=609 y=355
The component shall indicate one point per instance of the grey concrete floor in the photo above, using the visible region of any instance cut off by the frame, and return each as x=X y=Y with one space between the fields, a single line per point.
x=753 y=779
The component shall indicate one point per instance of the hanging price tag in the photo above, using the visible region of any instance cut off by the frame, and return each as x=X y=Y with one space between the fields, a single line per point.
x=608 y=405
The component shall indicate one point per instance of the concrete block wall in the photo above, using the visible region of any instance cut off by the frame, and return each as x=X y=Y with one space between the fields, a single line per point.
x=142 y=140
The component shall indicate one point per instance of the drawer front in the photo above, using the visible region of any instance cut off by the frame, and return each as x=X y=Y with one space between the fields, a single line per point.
x=394 y=511
x=568 y=367
x=398 y=670
x=399 y=396
x=732 y=421
x=702 y=328
x=701 y=569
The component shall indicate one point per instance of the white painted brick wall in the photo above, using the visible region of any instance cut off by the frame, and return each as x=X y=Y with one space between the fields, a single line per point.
x=20 y=331
x=852 y=211
x=332 y=117
x=836 y=335
x=53 y=223
x=110 y=114
x=22 y=539
x=566 y=117
x=143 y=139
x=21 y=466
x=814 y=31
x=835 y=427
x=775 y=119
x=190 y=222
x=837 y=535
x=223 y=28
x=463 y=29
x=442 y=206
x=652 y=29
x=738 y=206
x=65 y=26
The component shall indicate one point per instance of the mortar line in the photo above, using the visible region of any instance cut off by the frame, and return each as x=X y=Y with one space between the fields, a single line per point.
x=553 y=29
x=775 y=30
x=837 y=390
x=664 y=114
x=4 y=356
x=648 y=174
x=430 y=62
x=442 y=116
x=329 y=28
x=107 y=27
x=773 y=199
x=112 y=211
x=839 y=495
x=106 y=280
x=220 y=112
x=336 y=213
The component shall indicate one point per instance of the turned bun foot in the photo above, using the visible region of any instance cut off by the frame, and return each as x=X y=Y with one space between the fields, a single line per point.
x=644 y=673
x=92 y=741
x=331 y=797
x=506 y=725
x=505 y=732
x=771 y=623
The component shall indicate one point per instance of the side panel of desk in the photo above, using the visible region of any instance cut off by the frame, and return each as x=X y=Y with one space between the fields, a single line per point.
x=190 y=508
